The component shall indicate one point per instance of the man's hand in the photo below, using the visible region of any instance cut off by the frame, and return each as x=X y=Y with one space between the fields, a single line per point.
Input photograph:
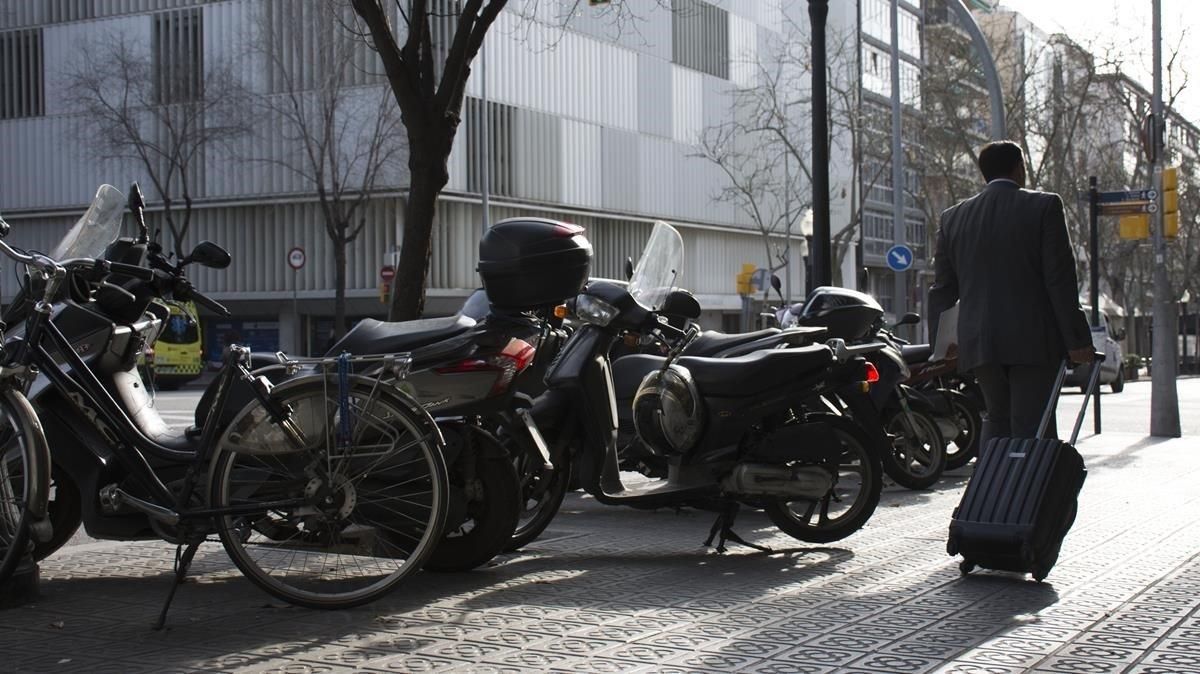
x=1084 y=355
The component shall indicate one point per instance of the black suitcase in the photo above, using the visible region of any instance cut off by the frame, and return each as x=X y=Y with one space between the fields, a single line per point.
x=1022 y=499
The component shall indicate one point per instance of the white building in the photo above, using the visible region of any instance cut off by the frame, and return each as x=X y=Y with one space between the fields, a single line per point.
x=592 y=124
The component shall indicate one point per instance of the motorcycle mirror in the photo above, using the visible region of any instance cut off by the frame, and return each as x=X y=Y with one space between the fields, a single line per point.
x=776 y=283
x=628 y=268
x=909 y=319
x=208 y=254
x=681 y=303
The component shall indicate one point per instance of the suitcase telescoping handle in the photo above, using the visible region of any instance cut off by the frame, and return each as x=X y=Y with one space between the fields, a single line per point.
x=1093 y=383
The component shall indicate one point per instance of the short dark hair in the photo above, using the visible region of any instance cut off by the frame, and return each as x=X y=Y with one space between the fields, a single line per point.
x=1000 y=159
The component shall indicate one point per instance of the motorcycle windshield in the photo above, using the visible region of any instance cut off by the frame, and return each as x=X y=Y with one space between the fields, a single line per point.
x=98 y=227
x=659 y=267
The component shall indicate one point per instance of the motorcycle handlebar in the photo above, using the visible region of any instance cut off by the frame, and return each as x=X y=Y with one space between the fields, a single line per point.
x=133 y=270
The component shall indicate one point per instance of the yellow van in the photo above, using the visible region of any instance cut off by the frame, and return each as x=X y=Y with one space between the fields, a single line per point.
x=178 y=353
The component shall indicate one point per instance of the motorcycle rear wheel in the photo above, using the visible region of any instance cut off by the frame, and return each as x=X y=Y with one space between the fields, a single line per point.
x=834 y=520
x=918 y=455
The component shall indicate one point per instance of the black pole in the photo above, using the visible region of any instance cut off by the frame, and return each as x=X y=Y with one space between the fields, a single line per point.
x=1094 y=272
x=822 y=249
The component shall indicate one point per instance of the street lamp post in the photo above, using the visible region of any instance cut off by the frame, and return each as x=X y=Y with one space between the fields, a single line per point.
x=821 y=250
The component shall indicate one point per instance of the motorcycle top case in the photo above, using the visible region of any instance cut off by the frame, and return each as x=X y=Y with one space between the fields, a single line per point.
x=529 y=263
x=848 y=314
x=1018 y=506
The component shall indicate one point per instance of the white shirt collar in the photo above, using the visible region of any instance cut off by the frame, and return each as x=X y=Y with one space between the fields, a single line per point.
x=1003 y=180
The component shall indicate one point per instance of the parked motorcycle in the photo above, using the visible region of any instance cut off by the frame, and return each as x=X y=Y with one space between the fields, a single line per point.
x=918 y=452
x=726 y=426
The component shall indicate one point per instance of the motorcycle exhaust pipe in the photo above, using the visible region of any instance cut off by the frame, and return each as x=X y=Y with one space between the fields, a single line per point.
x=762 y=479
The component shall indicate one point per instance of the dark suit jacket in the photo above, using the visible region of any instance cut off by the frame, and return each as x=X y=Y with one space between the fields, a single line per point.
x=1005 y=256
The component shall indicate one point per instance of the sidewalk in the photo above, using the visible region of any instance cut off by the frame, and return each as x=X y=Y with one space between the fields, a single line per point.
x=615 y=590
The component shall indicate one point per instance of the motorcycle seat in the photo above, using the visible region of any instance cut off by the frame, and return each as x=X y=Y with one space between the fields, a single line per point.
x=757 y=372
x=915 y=354
x=710 y=342
x=370 y=336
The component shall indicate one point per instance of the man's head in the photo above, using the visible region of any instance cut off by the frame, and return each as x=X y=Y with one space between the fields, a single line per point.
x=1002 y=159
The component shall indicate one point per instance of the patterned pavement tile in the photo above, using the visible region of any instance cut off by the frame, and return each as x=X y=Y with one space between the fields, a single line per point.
x=628 y=591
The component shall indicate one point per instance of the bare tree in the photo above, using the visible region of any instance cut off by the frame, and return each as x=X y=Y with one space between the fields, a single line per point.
x=769 y=127
x=340 y=128
x=428 y=48
x=163 y=111
x=758 y=184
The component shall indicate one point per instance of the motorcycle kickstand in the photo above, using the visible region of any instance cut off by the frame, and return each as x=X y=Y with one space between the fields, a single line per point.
x=724 y=526
x=183 y=561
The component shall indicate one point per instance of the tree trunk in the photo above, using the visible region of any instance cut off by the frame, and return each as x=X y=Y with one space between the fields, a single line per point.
x=408 y=286
x=339 y=298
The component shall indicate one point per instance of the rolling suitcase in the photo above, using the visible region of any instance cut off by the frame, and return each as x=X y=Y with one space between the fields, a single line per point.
x=1022 y=499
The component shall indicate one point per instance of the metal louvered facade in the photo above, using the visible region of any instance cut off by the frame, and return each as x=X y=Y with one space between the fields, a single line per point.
x=586 y=125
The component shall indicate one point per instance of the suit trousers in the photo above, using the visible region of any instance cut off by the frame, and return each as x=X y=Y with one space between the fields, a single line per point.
x=1016 y=397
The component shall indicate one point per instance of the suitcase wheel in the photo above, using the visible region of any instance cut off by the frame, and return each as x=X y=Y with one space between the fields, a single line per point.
x=966 y=566
x=1040 y=573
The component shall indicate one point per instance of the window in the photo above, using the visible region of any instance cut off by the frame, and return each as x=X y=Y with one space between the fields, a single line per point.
x=21 y=83
x=700 y=37
x=176 y=42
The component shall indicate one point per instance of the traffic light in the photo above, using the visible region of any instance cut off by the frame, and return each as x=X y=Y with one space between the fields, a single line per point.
x=1170 y=201
x=744 y=279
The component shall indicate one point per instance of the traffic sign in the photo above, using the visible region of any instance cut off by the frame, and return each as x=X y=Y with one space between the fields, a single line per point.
x=1127 y=207
x=899 y=257
x=296 y=258
x=387 y=272
x=1126 y=195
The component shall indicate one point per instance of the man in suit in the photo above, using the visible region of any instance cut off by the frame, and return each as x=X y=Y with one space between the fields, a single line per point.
x=1005 y=256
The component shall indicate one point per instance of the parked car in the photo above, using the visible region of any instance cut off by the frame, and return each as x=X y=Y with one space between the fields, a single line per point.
x=1106 y=340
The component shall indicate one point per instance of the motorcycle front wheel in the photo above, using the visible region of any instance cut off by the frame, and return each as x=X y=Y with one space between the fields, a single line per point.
x=488 y=495
x=24 y=479
x=857 y=481
x=970 y=425
x=541 y=497
x=918 y=452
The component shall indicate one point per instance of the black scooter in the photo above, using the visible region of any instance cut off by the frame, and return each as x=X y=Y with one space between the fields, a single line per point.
x=727 y=427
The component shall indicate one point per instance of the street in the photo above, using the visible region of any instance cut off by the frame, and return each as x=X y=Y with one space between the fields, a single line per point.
x=613 y=590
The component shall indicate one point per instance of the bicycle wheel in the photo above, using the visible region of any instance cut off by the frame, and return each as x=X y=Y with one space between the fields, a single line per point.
x=24 y=479
x=348 y=510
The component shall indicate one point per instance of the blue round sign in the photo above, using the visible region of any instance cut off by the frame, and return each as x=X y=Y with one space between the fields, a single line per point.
x=899 y=257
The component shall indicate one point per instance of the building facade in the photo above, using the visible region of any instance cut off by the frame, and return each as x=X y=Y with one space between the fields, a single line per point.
x=594 y=123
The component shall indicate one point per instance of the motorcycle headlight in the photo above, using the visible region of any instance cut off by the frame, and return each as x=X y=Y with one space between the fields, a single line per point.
x=595 y=311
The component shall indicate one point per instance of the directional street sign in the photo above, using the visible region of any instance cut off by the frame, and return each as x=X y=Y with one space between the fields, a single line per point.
x=899 y=257
x=1127 y=207
x=1129 y=195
